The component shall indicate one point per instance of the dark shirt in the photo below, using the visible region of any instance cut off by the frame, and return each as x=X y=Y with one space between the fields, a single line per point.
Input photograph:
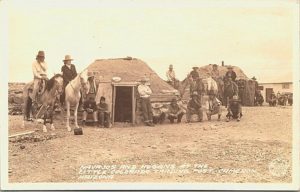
x=235 y=107
x=195 y=75
x=68 y=73
x=103 y=107
x=193 y=105
x=174 y=109
x=90 y=105
x=231 y=74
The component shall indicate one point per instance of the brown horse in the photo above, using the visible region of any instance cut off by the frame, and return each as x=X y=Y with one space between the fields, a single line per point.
x=53 y=88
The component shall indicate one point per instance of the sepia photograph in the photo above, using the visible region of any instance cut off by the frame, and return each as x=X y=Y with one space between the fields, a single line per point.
x=140 y=94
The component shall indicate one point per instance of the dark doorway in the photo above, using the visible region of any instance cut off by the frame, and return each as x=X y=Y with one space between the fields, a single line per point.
x=123 y=104
x=268 y=93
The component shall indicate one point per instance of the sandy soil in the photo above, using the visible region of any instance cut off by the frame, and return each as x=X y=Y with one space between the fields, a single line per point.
x=257 y=149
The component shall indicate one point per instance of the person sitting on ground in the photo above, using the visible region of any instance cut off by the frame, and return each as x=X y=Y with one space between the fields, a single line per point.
x=90 y=107
x=171 y=79
x=104 y=114
x=272 y=99
x=234 y=109
x=175 y=111
x=214 y=106
x=194 y=107
x=158 y=115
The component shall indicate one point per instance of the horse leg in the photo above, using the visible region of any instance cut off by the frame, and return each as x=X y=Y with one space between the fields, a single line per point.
x=68 y=116
x=75 y=115
x=44 y=124
x=51 y=119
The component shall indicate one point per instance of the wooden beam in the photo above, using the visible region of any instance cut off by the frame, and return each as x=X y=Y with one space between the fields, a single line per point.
x=20 y=134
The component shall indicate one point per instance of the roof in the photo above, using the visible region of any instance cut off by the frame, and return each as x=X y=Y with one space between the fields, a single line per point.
x=205 y=71
x=130 y=70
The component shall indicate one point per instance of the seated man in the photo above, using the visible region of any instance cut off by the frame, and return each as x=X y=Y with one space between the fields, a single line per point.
x=90 y=107
x=158 y=115
x=234 y=109
x=175 y=112
x=194 y=107
x=214 y=106
x=104 y=114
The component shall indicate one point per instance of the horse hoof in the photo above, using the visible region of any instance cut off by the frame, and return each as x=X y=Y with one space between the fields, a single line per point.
x=69 y=129
x=52 y=128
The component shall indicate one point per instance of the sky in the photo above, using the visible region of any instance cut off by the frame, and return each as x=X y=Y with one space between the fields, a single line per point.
x=257 y=36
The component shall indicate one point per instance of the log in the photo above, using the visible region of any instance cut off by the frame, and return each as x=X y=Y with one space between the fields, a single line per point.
x=21 y=134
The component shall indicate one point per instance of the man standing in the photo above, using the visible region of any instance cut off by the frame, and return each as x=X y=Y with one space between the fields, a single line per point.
x=171 y=76
x=104 y=115
x=230 y=73
x=195 y=74
x=194 y=107
x=145 y=93
x=175 y=112
x=39 y=69
x=214 y=106
x=69 y=73
x=215 y=73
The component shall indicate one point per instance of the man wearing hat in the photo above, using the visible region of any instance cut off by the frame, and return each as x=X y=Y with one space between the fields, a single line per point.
x=195 y=74
x=39 y=69
x=90 y=107
x=234 y=109
x=145 y=93
x=158 y=114
x=194 y=107
x=171 y=76
x=175 y=111
x=214 y=106
x=68 y=72
x=230 y=74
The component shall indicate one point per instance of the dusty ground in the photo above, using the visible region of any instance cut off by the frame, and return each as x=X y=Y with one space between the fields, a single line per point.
x=257 y=149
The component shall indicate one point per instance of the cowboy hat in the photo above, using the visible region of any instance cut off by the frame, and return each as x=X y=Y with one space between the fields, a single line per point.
x=215 y=65
x=229 y=67
x=235 y=98
x=195 y=93
x=157 y=105
x=144 y=79
x=211 y=92
x=195 y=67
x=41 y=54
x=253 y=78
x=173 y=100
x=68 y=58
x=171 y=66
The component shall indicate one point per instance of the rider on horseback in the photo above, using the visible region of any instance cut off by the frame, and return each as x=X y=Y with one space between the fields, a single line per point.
x=39 y=69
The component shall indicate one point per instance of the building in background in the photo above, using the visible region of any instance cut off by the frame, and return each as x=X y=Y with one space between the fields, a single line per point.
x=281 y=87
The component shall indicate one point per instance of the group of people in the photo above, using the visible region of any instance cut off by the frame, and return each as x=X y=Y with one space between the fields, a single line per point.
x=101 y=115
x=280 y=99
x=214 y=104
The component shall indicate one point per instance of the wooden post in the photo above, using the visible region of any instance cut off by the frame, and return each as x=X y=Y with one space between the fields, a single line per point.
x=133 y=105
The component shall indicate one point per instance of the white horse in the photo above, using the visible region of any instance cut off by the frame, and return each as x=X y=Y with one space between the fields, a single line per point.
x=72 y=95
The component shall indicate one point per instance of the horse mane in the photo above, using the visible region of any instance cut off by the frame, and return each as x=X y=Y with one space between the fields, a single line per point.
x=50 y=83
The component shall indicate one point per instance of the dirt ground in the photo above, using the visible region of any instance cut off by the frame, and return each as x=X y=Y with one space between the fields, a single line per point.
x=258 y=149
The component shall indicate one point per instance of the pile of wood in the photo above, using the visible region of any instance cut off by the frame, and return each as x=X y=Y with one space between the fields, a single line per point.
x=15 y=98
